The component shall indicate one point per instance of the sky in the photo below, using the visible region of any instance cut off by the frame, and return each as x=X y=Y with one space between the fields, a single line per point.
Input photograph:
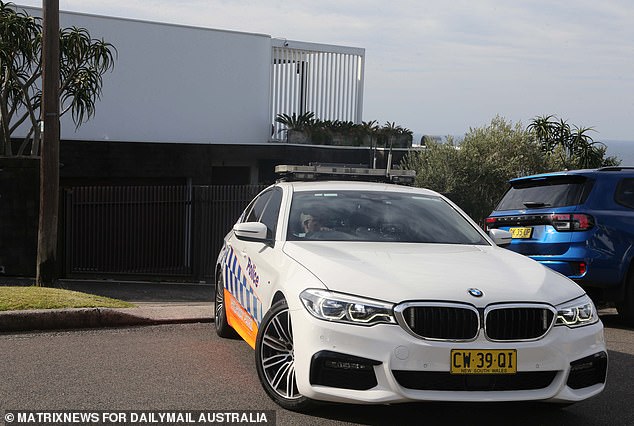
x=444 y=67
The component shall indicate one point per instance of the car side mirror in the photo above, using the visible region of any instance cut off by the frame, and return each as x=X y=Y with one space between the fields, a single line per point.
x=251 y=231
x=500 y=237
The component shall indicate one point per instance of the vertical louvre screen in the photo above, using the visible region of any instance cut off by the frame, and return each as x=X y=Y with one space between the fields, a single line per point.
x=329 y=84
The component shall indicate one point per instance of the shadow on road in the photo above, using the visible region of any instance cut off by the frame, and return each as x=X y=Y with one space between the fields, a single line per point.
x=456 y=414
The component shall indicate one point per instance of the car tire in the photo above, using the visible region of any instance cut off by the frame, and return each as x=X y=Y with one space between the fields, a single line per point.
x=223 y=329
x=274 y=359
x=625 y=308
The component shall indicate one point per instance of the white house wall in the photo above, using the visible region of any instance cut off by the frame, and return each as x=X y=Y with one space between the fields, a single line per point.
x=175 y=84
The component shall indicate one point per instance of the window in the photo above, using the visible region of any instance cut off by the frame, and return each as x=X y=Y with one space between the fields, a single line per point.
x=272 y=212
x=265 y=209
x=377 y=216
x=254 y=211
x=625 y=193
x=547 y=192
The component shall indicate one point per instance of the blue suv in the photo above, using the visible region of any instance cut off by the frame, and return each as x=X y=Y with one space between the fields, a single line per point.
x=579 y=223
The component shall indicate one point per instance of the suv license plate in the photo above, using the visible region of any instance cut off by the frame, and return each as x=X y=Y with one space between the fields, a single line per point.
x=484 y=361
x=521 y=232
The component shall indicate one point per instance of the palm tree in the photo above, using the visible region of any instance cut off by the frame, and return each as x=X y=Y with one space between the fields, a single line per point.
x=83 y=62
x=299 y=128
x=587 y=152
x=296 y=122
x=570 y=147
x=544 y=129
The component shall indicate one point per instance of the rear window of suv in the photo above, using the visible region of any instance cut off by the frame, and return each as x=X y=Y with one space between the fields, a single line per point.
x=557 y=191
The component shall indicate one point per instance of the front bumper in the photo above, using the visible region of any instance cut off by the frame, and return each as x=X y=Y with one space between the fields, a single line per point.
x=385 y=364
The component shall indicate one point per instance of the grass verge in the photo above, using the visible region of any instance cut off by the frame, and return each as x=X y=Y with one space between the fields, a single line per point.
x=24 y=298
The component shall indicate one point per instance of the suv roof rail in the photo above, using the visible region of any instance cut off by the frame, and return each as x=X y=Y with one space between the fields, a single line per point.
x=290 y=173
x=615 y=168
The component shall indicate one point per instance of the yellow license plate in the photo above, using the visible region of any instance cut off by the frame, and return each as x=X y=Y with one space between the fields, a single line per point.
x=484 y=361
x=521 y=232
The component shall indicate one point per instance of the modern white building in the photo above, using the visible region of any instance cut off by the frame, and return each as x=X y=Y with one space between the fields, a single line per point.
x=176 y=84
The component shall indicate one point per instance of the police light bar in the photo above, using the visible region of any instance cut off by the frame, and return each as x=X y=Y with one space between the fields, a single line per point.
x=320 y=172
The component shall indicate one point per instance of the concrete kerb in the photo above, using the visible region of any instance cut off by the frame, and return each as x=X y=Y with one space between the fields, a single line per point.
x=57 y=319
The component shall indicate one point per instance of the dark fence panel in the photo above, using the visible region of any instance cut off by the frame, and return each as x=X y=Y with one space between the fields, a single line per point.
x=19 y=209
x=154 y=232
x=216 y=210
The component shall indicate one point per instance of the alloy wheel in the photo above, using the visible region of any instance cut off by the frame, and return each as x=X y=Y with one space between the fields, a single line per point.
x=277 y=356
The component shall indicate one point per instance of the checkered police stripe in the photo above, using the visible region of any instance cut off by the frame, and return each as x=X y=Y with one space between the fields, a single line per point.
x=236 y=283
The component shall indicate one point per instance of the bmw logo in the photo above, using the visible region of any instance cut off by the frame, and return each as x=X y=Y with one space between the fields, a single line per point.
x=475 y=292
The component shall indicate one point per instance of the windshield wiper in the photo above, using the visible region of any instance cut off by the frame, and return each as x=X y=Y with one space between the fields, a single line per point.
x=535 y=204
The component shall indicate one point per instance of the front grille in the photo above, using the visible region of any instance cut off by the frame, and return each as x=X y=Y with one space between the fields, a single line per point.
x=518 y=323
x=444 y=381
x=462 y=322
x=442 y=322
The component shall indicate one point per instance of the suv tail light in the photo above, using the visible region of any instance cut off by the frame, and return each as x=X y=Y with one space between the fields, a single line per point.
x=572 y=222
x=579 y=268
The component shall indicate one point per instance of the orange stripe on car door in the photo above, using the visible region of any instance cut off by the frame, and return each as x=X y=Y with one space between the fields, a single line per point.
x=240 y=319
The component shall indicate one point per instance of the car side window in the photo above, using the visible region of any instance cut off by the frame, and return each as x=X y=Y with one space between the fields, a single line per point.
x=625 y=193
x=255 y=210
x=272 y=211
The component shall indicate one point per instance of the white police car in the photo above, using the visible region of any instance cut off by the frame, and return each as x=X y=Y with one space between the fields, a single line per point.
x=369 y=292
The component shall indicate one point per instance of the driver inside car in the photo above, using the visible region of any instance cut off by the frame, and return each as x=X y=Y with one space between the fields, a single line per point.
x=311 y=224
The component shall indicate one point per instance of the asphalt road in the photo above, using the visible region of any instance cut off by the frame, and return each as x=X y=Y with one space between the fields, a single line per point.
x=187 y=367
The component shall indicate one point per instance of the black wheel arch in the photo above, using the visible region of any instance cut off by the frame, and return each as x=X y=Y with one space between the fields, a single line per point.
x=277 y=297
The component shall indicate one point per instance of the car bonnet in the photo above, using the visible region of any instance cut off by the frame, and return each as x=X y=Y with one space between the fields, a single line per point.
x=397 y=272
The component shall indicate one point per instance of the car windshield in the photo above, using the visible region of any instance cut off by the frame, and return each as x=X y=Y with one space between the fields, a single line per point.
x=377 y=216
x=547 y=192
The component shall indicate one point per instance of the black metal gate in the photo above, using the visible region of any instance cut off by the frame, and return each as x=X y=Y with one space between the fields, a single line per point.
x=149 y=232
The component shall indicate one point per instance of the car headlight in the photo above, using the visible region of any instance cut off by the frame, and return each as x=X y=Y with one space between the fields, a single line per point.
x=576 y=313
x=338 y=307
